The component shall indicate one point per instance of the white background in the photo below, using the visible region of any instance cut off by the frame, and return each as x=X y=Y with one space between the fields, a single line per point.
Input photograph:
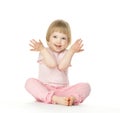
x=97 y=22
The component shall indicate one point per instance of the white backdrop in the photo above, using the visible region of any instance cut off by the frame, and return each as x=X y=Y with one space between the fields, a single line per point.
x=96 y=22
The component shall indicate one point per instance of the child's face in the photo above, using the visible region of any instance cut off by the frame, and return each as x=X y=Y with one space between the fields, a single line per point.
x=58 y=41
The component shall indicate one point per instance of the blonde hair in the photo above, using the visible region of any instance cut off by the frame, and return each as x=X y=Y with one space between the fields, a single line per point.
x=59 y=26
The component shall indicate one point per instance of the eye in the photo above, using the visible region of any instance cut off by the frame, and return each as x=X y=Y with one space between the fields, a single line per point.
x=54 y=36
x=63 y=38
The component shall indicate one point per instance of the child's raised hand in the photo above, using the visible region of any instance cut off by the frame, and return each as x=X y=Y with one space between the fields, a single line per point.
x=77 y=46
x=36 y=45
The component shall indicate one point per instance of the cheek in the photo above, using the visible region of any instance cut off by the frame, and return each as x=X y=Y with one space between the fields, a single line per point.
x=49 y=43
x=65 y=44
x=52 y=41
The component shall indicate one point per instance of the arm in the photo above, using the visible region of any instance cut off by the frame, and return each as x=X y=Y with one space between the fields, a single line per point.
x=48 y=59
x=76 y=47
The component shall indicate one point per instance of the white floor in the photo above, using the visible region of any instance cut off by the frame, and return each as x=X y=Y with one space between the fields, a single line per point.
x=35 y=107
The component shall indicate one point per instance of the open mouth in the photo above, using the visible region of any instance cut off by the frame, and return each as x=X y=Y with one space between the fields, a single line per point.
x=58 y=46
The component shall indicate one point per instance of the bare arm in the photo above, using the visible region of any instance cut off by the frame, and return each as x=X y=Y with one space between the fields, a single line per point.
x=48 y=59
x=76 y=47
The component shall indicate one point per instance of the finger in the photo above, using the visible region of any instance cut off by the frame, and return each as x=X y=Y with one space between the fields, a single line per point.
x=31 y=45
x=79 y=41
x=33 y=41
x=81 y=45
x=32 y=49
x=81 y=49
x=40 y=41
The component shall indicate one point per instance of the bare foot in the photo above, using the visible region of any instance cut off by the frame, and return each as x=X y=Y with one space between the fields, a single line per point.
x=68 y=101
x=61 y=100
x=71 y=101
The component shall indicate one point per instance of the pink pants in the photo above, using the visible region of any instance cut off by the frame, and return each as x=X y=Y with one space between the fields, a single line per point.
x=44 y=93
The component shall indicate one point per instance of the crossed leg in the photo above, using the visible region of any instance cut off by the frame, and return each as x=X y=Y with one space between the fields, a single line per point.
x=71 y=95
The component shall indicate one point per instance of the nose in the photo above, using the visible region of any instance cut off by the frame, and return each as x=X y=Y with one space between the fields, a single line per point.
x=58 y=40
